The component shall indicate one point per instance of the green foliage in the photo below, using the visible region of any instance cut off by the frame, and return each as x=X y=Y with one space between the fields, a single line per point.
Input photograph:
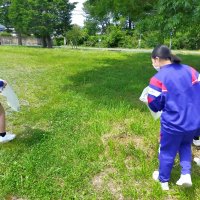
x=151 y=39
x=91 y=26
x=4 y=19
x=40 y=17
x=76 y=35
x=155 y=19
x=186 y=40
x=104 y=11
x=92 y=41
x=19 y=15
x=50 y=18
x=114 y=36
x=58 y=41
x=5 y=34
x=118 y=21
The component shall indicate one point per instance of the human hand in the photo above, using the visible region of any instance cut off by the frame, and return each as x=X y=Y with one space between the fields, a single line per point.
x=4 y=83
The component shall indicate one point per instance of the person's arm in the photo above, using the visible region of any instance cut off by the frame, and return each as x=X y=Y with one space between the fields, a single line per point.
x=156 y=99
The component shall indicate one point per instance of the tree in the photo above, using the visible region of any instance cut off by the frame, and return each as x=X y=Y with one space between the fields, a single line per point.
x=98 y=12
x=171 y=16
x=74 y=35
x=4 y=7
x=19 y=17
x=106 y=11
x=91 y=26
x=44 y=18
x=50 y=17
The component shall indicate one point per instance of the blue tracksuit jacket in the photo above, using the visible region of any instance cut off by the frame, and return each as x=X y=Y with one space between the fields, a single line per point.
x=175 y=90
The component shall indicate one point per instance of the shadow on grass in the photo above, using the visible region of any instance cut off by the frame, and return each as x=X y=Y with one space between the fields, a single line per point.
x=190 y=192
x=31 y=137
x=114 y=81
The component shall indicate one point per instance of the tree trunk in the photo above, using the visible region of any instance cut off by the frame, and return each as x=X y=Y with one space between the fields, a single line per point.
x=65 y=41
x=19 y=37
x=44 y=43
x=49 y=41
x=129 y=24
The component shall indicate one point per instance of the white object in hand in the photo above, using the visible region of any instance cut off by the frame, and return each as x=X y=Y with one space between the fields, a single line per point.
x=144 y=95
x=144 y=98
x=11 y=97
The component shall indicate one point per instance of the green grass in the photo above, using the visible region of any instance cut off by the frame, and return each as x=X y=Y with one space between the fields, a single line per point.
x=82 y=133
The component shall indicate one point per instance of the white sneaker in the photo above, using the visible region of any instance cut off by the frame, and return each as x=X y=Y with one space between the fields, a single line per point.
x=196 y=143
x=197 y=160
x=164 y=186
x=8 y=137
x=155 y=175
x=185 y=180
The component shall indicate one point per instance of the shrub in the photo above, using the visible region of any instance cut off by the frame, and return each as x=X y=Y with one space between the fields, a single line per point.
x=5 y=34
x=58 y=41
x=92 y=41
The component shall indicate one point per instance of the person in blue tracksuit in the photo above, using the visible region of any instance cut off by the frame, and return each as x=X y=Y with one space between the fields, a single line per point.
x=4 y=135
x=174 y=90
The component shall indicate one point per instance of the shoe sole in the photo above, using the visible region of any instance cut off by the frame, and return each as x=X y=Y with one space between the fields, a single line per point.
x=7 y=140
x=185 y=184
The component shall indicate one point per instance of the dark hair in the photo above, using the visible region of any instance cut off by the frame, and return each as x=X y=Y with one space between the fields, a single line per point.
x=163 y=52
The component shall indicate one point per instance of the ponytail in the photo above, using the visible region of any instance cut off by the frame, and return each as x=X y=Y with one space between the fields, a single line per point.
x=163 y=52
x=175 y=59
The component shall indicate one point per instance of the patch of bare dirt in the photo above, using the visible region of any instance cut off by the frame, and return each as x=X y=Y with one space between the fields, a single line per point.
x=196 y=152
x=119 y=134
x=103 y=181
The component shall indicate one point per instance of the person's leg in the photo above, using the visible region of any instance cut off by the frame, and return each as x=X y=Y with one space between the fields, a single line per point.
x=169 y=146
x=2 y=120
x=4 y=136
x=185 y=154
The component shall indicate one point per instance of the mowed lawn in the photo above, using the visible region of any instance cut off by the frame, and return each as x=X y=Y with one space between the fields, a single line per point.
x=82 y=132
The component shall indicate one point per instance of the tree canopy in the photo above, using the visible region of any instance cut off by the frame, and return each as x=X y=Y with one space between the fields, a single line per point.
x=115 y=23
x=161 y=18
x=43 y=18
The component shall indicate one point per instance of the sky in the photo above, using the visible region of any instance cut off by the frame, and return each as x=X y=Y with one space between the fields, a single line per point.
x=78 y=13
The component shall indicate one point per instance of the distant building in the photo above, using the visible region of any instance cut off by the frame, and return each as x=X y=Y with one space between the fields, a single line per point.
x=2 y=28
x=12 y=40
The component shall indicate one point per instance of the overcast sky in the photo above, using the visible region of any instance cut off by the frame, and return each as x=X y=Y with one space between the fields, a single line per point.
x=78 y=14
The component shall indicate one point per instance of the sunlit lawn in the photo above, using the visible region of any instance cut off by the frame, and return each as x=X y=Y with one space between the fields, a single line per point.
x=82 y=132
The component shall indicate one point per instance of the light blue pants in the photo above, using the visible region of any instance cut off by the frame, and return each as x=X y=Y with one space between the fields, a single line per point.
x=170 y=145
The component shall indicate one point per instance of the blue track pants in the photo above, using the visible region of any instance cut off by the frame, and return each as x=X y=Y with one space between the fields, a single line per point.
x=170 y=145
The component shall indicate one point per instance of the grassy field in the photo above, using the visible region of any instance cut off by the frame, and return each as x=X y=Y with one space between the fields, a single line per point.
x=82 y=133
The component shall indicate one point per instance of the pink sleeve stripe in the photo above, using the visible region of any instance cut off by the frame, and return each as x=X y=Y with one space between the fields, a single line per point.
x=194 y=77
x=150 y=99
x=155 y=82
